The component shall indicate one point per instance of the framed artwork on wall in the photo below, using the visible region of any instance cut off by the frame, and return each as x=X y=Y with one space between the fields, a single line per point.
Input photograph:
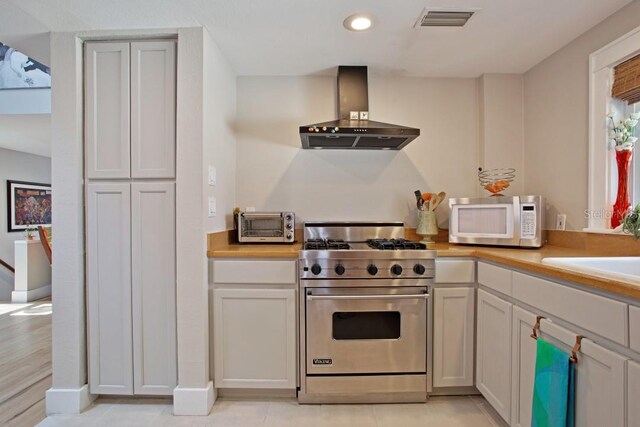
x=28 y=203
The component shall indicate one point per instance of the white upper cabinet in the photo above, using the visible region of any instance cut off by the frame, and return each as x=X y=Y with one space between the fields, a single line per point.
x=153 y=109
x=107 y=129
x=130 y=109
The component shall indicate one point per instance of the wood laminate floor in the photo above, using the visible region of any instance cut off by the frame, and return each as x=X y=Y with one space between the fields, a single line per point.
x=25 y=362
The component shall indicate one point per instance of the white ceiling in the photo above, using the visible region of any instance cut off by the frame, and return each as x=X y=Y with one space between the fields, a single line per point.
x=299 y=37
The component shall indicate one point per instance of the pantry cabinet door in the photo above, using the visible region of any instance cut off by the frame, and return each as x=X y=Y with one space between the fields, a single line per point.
x=453 y=336
x=153 y=109
x=109 y=288
x=523 y=366
x=493 y=352
x=255 y=338
x=107 y=130
x=154 y=287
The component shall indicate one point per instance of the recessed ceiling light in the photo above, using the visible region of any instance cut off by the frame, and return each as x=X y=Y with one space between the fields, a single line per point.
x=358 y=22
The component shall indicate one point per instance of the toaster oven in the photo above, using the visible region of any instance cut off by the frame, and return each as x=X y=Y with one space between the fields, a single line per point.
x=266 y=227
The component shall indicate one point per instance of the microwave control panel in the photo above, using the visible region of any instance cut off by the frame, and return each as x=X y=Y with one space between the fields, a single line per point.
x=528 y=221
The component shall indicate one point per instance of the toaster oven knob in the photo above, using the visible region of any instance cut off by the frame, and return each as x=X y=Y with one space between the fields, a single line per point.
x=419 y=269
x=288 y=217
x=340 y=269
x=372 y=269
x=396 y=269
x=289 y=226
x=316 y=269
x=289 y=236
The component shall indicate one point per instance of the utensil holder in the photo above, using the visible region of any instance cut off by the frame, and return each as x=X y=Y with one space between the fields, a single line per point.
x=427 y=227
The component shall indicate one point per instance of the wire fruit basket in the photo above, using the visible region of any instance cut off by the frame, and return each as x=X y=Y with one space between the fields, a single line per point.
x=496 y=181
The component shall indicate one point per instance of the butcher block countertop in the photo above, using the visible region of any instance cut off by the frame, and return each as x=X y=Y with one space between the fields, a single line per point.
x=560 y=244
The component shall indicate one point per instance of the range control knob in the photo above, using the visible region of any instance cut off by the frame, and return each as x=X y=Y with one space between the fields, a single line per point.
x=316 y=269
x=372 y=269
x=340 y=269
x=419 y=269
x=396 y=269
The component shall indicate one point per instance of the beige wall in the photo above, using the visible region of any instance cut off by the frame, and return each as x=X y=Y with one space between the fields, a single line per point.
x=274 y=173
x=556 y=123
x=219 y=116
x=501 y=131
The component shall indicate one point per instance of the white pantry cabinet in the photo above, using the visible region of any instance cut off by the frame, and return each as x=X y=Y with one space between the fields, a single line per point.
x=453 y=336
x=131 y=247
x=493 y=352
x=254 y=323
x=130 y=109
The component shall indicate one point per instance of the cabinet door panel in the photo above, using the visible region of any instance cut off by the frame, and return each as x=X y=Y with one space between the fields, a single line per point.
x=254 y=338
x=600 y=379
x=453 y=336
x=153 y=109
x=109 y=288
x=107 y=110
x=154 y=287
x=522 y=368
x=493 y=354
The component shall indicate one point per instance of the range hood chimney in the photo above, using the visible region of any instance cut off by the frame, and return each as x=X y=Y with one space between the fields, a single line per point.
x=353 y=130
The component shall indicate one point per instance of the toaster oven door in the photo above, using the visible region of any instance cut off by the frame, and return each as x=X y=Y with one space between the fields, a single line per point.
x=261 y=227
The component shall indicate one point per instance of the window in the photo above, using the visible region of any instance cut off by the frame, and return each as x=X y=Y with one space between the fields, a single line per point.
x=602 y=167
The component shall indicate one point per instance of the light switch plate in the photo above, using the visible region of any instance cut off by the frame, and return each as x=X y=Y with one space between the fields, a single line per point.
x=212 y=175
x=212 y=207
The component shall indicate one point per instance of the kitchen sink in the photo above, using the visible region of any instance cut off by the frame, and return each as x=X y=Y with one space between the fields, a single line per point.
x=619 y=268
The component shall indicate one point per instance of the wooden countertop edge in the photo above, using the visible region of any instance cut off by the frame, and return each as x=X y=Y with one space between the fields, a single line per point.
x=443 y=250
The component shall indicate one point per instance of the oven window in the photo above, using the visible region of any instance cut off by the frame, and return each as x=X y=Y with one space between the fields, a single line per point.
x=366 y=325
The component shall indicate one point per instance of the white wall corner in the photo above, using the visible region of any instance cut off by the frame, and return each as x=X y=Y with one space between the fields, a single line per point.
x=68 y=400
x=193 y=401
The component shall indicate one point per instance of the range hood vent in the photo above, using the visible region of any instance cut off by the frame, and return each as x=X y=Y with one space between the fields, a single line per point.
x=353 y=129
x=432 y=18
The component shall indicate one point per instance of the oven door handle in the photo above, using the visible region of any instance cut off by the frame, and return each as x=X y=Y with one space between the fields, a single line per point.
x=311 y=297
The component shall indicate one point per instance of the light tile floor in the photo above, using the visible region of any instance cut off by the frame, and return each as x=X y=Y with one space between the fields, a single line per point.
x=438 y=412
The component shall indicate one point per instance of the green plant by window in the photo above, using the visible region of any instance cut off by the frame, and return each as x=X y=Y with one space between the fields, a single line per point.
x=631 y=222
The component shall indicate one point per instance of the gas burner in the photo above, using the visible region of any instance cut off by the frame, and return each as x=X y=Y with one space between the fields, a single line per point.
x=395 y=244
x=325 y=244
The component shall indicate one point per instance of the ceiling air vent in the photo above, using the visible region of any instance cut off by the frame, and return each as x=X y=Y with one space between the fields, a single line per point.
x=432 y=18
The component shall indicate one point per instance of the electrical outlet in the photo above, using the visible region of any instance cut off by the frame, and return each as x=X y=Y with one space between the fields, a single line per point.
x=212 y=207
x=561 y=220
x=212 y=175
x=364 y=115
x=354 y=115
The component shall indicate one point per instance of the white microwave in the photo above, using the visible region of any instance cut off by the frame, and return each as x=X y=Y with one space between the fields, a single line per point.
x=498 y=220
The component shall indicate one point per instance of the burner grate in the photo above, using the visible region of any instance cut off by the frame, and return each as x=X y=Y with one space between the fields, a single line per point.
x=395 y=244
x=325 y=244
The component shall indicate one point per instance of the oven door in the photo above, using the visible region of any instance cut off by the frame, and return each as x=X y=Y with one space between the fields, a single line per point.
x=366 y=330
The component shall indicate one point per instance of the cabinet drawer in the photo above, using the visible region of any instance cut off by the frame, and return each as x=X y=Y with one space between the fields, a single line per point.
x=254 y=271
x=455 y=271
x=603 y=316
x=496 y=278
x=634 y=328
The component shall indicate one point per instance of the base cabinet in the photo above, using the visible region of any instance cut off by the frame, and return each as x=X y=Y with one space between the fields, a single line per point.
x=633 y=394
x=453 y=336
x=493 y=352
x=523 y=364
x=255 y=338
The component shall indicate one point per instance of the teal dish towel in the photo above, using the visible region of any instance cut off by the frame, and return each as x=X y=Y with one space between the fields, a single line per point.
x=554 y=388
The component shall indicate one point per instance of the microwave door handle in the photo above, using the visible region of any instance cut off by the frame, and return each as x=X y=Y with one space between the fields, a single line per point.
x=311 y=297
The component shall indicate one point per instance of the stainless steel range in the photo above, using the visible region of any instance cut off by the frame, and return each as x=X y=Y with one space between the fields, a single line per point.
x=364 y=306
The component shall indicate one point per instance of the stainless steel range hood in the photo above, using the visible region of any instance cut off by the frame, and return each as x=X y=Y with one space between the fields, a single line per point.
x=353 y=130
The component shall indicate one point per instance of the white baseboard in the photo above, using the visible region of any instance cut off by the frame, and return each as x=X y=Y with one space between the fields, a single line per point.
x=68 y=400
x=31 y=294
x=193 y=401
